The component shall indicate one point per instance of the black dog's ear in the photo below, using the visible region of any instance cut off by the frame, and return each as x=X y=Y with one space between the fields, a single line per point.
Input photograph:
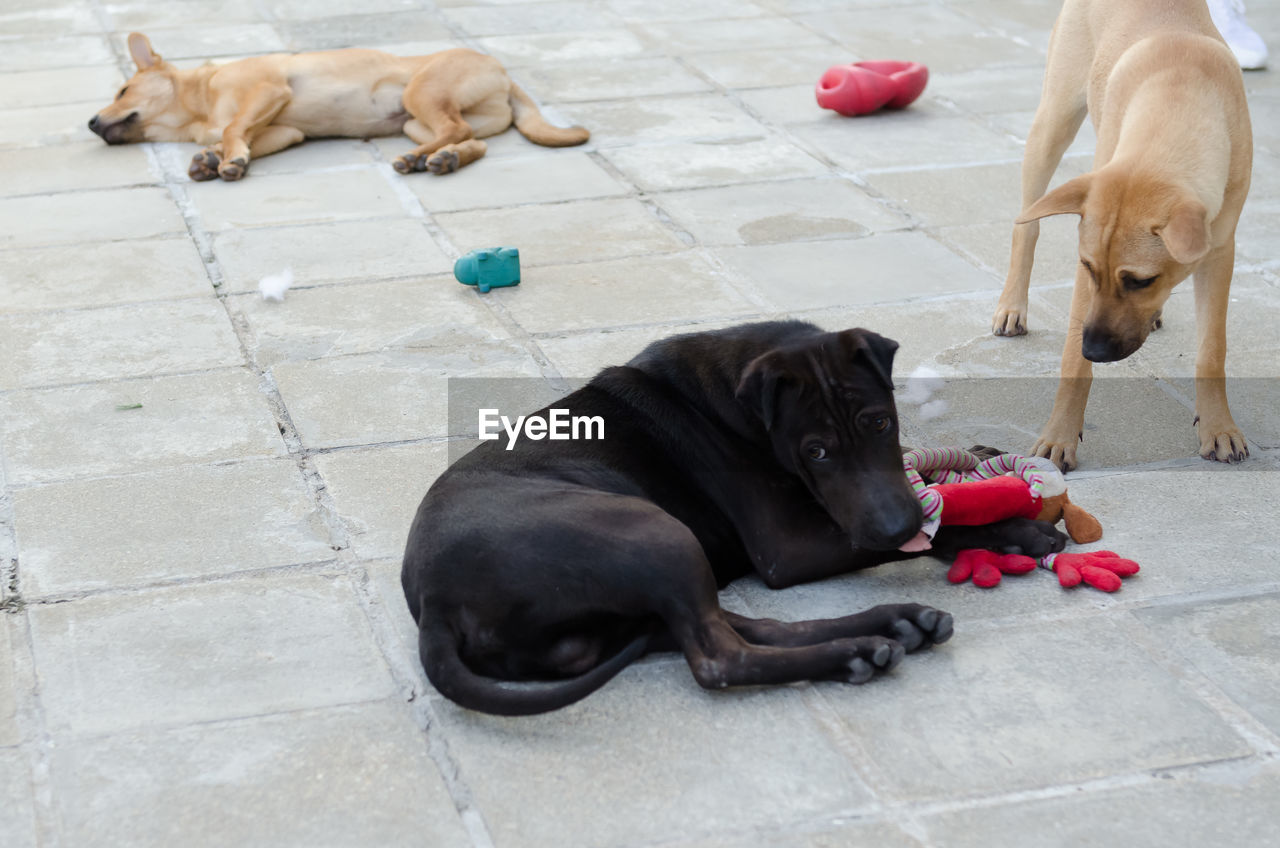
x=759 y=386
x=875 y=348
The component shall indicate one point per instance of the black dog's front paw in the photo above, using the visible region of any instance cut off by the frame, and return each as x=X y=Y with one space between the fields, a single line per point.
x=1024 y=536
x=869 y=656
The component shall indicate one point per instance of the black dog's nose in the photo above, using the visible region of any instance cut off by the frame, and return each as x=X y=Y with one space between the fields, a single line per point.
x=1103 y=347
x=892 y=525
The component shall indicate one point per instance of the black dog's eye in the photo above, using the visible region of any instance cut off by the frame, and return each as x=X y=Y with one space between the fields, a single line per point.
x=121 y=93
x=1133 y=283
x=881 y=423
x=816 y=452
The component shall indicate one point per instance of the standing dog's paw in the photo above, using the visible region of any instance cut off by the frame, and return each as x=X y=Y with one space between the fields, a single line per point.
x=1060 y=451
x=233 y=170
x=1223 y=443
x=1010 y=320
x=444 y=162
x=204 y=165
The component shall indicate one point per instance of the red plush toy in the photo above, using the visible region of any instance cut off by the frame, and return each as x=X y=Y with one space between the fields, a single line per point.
x=1007 y=486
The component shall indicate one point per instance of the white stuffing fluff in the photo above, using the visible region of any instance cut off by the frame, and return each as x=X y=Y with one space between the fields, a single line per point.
x=921 y=384
x=273 y=286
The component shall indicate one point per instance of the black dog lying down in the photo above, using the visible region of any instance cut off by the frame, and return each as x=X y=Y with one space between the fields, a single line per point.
x=536 y=574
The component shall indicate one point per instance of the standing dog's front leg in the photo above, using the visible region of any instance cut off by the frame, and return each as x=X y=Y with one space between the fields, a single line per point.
x=1065 y=428
x=1220 y=438
x=229 y=159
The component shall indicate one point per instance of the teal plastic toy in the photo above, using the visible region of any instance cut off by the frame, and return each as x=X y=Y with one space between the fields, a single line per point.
x=489 y=269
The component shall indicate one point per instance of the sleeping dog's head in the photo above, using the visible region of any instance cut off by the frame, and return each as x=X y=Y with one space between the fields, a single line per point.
x=147 y=108
x=827 y=404
x=1139 y=237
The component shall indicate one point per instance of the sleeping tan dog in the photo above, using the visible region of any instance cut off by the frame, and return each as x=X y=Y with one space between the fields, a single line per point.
x=1171 y=172
x=446 y=102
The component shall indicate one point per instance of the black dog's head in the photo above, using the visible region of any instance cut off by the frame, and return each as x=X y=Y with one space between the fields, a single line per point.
x=827 y=404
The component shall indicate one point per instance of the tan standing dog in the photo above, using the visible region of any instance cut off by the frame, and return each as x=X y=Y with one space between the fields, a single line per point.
x=1170 y=176
x=446 y=102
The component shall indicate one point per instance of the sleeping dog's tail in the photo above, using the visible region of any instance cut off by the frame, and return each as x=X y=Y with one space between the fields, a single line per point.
x=531 y=124
x=451 y=676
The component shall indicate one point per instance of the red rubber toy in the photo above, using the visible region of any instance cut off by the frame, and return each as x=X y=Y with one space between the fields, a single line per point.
x=864 y=87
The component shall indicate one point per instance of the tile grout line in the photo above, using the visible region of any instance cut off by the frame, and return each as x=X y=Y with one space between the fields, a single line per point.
x=1238 y=718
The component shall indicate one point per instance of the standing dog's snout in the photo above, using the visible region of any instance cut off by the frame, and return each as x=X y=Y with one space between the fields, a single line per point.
x=1101 y=346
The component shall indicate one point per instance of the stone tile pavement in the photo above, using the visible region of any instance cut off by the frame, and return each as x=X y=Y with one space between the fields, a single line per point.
x=203 y=496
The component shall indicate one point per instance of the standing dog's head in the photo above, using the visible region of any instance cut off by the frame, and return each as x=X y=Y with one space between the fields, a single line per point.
x=147 y=108
x=827 y=404
x=1139 y=237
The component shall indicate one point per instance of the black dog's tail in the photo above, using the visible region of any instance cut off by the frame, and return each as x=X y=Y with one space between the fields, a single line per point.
x=451 y=676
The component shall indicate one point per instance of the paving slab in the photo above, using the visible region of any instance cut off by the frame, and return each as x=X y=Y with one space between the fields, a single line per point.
x=642 y=290
x=1229 y=642
x=61 y=85
x=399 y=395
x=690 y=165
x=47 y=125
x=1003 y=688
x=10 y=733
x=783 y=211
x=105 y=274
x=694 y=116
x=860 y=832
x=111 y=214
x=685 y=37
x=788 y=105
x=1180 y=540
x=579 y=231
x=843 y=272
x=542 y=17
x=1173 y=811
x=722 y=764
x=135 y=425
x=376 y=492
x=294 y=199
x=136 y=340
x=940 y=37
x=147 y=17
x=100 y=534
x=221 y=39
x=908 y=140
x=550 y=48
x=612 y=79
x=202 y=653
x=360 y=30
x=326 y=253
x=74 y=167
x=433 y=313
x=734 y=68
x=351 y=775
x=17 y=821
x=543 y=177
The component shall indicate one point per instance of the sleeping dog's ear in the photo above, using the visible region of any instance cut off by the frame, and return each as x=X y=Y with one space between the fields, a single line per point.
x=875 y=349
x=759 y=386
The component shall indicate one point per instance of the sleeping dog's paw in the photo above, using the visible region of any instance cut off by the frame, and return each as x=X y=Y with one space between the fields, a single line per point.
x=204 y=165
x=869 y=656
x=233 y=170
x=444 y=162
x=916 y=626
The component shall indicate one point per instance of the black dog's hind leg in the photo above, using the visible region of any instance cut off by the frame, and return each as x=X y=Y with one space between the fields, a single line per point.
x=914 y=625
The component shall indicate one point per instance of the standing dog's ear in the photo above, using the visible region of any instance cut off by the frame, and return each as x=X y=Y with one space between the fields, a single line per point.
x=875 y=348
x=1186 y=236
x=140 y=49
x=759 y=386
x=1066 y=199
